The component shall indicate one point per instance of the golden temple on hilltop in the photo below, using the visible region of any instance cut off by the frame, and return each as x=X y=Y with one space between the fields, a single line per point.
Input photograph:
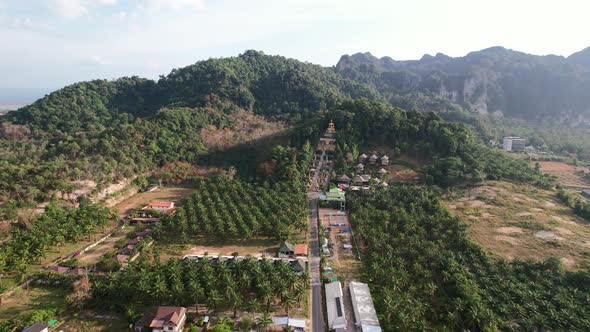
x=331 y=127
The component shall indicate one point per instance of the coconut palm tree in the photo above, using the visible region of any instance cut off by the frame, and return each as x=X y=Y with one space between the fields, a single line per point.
x=263 y=321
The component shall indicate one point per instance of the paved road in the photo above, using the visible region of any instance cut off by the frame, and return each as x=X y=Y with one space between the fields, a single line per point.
x=317 y=312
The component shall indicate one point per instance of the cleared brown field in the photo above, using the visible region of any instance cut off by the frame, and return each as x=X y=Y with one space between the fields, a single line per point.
x=522 y=222
x=567 y=174
x=173 y=194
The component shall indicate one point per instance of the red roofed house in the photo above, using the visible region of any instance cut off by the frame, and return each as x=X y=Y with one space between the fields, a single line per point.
x=160 y=206
x=122 y=259
x=61 y=269
x=166 y=319
x=135 y=240
x=300 y=250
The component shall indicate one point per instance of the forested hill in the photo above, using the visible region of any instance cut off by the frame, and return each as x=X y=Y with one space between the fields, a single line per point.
x=268 y=85
x=493 y=80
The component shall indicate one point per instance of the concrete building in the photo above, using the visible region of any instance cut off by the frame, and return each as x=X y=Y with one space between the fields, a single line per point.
x=365 y=315
x=37 y=327
x=335 y=307
x=161 y=207
x=166 y=319
x=513 y=144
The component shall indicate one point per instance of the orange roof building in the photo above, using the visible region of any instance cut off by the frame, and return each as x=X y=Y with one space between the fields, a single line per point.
x=300 y=250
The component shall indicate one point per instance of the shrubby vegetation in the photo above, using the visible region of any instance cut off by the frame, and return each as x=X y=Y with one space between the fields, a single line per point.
x=55 y=227
x=581 y=206
x=433 y=278
x=31 y=170
x=18 y=324
x=233 y=209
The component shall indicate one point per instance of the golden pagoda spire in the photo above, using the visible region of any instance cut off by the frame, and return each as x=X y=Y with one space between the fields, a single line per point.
x=331 y=127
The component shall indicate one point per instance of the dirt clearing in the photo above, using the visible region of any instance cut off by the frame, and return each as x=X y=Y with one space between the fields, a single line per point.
x=525 y=223
x=568 y=175
x=173 y=194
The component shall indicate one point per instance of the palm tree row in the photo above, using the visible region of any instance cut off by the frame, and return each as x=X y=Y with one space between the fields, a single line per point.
x=231 y=208
x=53 y=228
x=245 y=284
x=434 y=278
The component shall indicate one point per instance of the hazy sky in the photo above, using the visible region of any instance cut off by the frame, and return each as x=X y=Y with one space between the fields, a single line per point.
x=51 y=43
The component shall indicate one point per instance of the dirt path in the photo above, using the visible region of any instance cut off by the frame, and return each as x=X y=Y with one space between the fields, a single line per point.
x=93 y=255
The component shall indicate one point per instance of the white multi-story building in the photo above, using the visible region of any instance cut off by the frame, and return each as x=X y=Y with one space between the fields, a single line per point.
x=513 y=144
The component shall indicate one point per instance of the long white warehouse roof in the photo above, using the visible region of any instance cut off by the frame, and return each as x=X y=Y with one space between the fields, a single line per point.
x=335 y=306
x=364 y=310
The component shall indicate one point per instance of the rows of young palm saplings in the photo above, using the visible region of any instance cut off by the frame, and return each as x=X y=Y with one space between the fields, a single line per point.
x=226 y=208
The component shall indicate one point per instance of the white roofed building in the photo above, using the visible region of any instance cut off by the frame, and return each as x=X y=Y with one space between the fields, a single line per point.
x=335 y=307
x=365 y=315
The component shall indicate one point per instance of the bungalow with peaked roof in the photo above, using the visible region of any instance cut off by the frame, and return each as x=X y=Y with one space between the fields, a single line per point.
x=122 y=259
x=79 y=271
x=166 y=319
x=382 y=172
x=360 y=167
x=373 y=159
x=161 y=207
x=60 y=269
x=362 y=158
x=298 y=266
x=361 y=180
x=37 y=327
x=135 y=240
x=300 y=250
x=286 y=250
x=385 y=160
x=344 y=180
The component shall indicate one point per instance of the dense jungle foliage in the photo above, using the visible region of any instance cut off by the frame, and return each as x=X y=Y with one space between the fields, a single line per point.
x=456 y=158
x=434 y=278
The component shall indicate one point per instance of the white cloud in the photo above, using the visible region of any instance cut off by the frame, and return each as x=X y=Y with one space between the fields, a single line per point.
x=96 y=60
x=159 y=5
x=76 y=8
x=69 y=8
x=24 y=23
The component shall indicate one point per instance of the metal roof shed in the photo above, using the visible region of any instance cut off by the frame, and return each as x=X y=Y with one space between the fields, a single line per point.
x=362 y=305
x=335 y=306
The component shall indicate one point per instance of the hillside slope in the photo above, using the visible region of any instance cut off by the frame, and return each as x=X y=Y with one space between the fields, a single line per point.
x=267 y=85
x=495 y=80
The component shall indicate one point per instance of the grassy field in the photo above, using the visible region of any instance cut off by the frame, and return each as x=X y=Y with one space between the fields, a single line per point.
x=258 y=247
x=90 y=322
x=568 y=175
x=173 y=194
x=26 y=301
x=139 y=200
x=514 y=221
